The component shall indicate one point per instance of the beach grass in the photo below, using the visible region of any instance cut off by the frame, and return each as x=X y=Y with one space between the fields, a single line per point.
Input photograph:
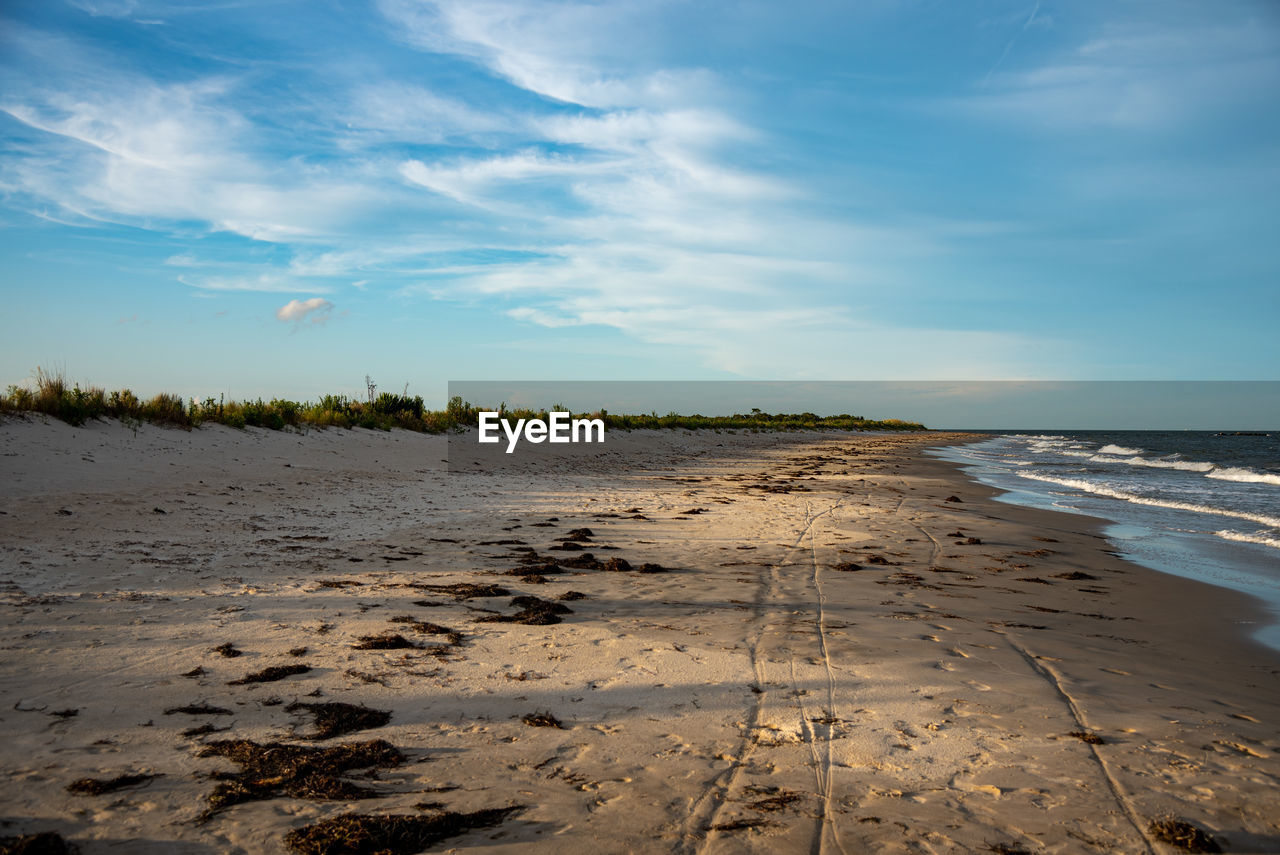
x=50 y=393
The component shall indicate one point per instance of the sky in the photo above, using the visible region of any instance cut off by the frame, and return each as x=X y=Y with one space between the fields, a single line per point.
x=280 y=198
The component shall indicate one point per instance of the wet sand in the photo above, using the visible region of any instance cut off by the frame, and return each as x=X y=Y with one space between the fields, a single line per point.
x=825 y=655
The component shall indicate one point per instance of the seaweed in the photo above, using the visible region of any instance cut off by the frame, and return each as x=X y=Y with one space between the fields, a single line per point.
x=1184 y=835
x=466 y=590
x=228 y=650
x=544 y=719
x=198 y=709
x=366 y=834
x=98 y=786
x=533 y=611
x=428 y=628
x=336 y=719
x=741 y=824
x=385 y=641
x=40 y=843
x=274 y=769
x=270 y=675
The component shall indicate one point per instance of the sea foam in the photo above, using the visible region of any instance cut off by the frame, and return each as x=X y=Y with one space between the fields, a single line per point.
x=1244 y=476
x=1262 y=537
x=1123 y=495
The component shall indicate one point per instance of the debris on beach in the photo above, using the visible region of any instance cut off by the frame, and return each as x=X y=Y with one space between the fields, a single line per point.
x=534 y=611
x=385 y=641
x=270 y=675
x=544 y=719
x=228 y=650
x=271 y=770
x=99 y=786
x=466 y=590
x=428 y=628
x=1184 y=835
x=40 y=843
x=337 y=719
x=198 y=709
x=365 y=834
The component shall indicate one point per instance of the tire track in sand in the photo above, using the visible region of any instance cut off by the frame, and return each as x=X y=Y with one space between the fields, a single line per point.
x=707 y=808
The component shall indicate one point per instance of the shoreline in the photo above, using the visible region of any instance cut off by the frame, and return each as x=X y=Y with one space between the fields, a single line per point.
x=1250 y=609
x=819 y=665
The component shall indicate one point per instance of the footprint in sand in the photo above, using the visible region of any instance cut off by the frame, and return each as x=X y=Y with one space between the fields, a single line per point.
x=1242 y=716
x=956 y=651
x=945 y=666
x=1117 y=671
x=974 y=684
x=929 y=638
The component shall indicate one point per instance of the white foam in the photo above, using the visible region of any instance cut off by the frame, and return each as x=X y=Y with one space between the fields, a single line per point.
x=1119 y=449
x=1156 y=463
x=1264 y=538
x=1100 y=490
x=1244 y=476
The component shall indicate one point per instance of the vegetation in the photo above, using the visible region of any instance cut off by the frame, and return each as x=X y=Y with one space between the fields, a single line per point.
x=52 y=395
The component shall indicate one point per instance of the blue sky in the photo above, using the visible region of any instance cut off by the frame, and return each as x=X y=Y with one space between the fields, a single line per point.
x=277 y=198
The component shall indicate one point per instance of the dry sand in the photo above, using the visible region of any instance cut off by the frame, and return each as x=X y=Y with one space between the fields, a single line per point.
x=830 y=664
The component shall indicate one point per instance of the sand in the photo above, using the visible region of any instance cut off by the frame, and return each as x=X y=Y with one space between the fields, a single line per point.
x=837 y=659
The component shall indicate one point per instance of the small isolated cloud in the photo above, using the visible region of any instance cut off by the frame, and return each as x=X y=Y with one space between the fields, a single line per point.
x=315 y=311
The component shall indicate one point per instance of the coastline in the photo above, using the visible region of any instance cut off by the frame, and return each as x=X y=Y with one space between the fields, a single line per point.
x=763 y=695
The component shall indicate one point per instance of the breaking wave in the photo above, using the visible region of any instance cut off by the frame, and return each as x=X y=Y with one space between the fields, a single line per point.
x=1123 y=495
x=1261 y=537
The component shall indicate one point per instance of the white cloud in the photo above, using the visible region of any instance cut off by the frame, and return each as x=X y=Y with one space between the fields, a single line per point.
x=315 y=311
x=1134 y=78
x=571 y=52
x=271 y=283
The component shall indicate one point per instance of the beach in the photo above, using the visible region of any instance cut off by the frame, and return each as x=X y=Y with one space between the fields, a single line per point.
x=727 y=642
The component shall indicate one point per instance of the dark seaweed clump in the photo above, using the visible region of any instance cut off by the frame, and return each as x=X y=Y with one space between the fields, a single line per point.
x=198 y=709
x=270 y=675
x=41 y=843
x=335 y=718
x=228 y=650
x=274 y=769
x=386 y=641
x=364 y=834
x=544 y=719
x=466 y=590
x=428 y=628
x=534 y=611
x=1088 y=736
x=98 y=787
x=1183 y=834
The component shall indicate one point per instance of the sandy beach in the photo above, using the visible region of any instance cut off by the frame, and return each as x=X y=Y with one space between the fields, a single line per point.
x=727 y=643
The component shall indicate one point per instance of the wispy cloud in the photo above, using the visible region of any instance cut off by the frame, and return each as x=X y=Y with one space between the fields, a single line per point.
x=270 y=282
x=1132 y=77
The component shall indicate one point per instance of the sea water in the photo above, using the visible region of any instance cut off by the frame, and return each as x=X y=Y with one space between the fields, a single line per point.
x=1198 y=504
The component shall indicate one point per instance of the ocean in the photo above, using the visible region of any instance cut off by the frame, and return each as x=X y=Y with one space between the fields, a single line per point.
x=1197 y=504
